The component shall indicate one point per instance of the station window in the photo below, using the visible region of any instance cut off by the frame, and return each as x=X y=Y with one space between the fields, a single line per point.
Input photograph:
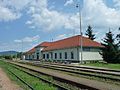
x=37 y=55
x=32 y=56
x=47 y=56
x=55 y=55
x=72 y=55
x=65 y=55
x=60 y=54
x=43 y=56
x=86 y=49
x=51 y=55
x=29 y=56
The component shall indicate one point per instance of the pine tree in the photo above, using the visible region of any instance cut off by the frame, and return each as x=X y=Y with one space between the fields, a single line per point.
x=118 y=36
x=110 y=52
x=89 y=33
x=118 y=41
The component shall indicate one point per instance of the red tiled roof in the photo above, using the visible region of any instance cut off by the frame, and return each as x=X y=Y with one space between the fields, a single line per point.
x=72 y=42
x=44 y=44
x=31 y=51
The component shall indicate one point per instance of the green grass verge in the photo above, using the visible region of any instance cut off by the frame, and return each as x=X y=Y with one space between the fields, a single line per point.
x=111 y=66
x=34 y=82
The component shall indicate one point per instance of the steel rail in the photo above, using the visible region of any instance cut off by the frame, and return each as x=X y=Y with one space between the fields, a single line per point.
x=83 y=69
x=60 y=79
x=82 y=73
x=24 y=82
x=44 y=80
x=105 y=76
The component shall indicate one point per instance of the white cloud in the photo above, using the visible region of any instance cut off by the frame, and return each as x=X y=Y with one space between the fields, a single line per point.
x=46 y=19
x=7 y=15
x=28 y=39
x=97 y=13
x=28 y=22
x=63 y=36
x=51 y=19
x=117 y=3
x=68 y=2
x=94 y=12
x=18 y=4
x=7 y=46
x=18 y=41
x=12 y=9
x=72 y=22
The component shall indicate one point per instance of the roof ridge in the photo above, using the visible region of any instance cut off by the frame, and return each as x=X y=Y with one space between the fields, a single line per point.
x=66 y=38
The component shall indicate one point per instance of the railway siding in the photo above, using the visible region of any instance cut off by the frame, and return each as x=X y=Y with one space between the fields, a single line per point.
x=85 y=69
x=80 y=81
x=112 y=76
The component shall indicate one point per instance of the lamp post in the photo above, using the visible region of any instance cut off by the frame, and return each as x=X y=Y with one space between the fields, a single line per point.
x=80 y=27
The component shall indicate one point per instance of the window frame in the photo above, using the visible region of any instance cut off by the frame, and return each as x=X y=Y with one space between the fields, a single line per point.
x=72 y=55
x=55 y=55
x=47 y=56
x=65 y=55
x=44 y=56
x=60 y=55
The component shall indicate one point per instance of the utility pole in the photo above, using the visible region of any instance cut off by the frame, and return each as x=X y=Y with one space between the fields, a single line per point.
x=21 y=51
x=80 y=23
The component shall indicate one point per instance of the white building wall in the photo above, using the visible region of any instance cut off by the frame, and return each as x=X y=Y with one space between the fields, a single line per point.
x=93 y=54
x=30 y=56
x=38 y=50
x=26 y=56
x=62 y=51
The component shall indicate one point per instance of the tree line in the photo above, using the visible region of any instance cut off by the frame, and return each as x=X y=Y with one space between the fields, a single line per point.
x=11 y=57
x=111 y=45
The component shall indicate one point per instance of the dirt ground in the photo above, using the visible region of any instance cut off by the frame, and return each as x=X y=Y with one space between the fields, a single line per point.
x=6 y=83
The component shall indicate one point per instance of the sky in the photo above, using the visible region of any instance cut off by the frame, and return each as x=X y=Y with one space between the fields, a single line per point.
x=26 y=23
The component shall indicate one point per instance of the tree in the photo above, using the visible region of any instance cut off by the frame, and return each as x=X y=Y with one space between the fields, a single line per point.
x=9 y=57
x=19 y=55
x=110 y=52
x=118 y=40
x=89 y=33
x=118 y=36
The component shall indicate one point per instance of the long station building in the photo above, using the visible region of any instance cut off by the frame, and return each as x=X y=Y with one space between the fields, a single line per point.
x=67 y=49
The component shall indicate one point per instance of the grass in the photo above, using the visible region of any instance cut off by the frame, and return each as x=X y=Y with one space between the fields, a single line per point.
x=34 y=82
x=103 y=65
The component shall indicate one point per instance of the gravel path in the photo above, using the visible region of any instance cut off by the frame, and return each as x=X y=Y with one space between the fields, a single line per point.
x=6 y=83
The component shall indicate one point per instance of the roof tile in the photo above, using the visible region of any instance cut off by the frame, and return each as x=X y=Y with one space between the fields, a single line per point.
x=72 y=42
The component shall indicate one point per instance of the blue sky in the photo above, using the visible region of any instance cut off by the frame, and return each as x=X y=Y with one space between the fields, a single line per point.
x=26 y=23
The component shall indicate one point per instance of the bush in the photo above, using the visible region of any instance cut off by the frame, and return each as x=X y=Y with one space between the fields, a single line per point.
x=8 y=57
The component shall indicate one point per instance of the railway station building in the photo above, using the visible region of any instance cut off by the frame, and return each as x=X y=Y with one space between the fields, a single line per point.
x=67 y=49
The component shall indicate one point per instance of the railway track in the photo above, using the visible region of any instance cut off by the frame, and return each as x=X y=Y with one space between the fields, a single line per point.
x=19 y=78
x=36 y=76
x=109 y=74
x=77 y=85
x=89 y=85
x=85 y=69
